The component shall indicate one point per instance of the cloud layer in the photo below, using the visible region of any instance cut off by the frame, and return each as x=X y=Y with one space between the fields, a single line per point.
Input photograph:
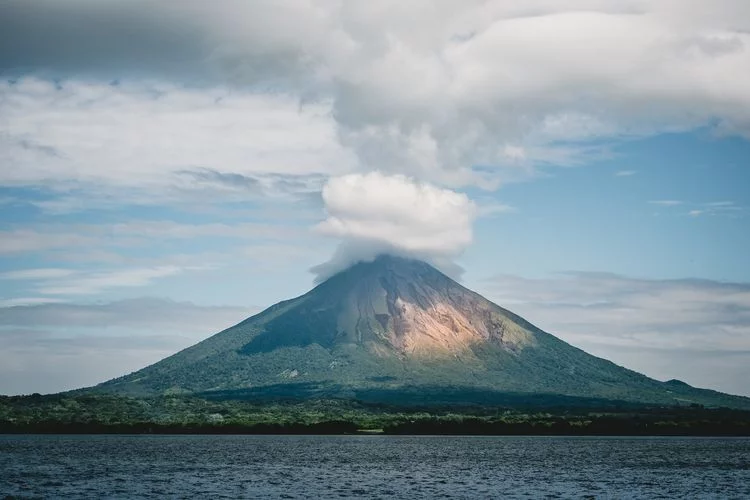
x=477 y=83
x=374 y=213
x=55 y=347
x=159 y=136
x=694 y=330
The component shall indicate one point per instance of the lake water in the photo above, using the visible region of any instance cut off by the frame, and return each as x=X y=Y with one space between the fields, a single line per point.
x=372 y=467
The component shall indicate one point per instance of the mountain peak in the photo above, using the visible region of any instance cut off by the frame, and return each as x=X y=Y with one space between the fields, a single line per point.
x=388 y=262
x=384 y=266
x=396 y=306
x=397 y=324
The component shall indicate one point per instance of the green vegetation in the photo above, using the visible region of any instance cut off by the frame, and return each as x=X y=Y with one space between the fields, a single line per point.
x=331 y=361
x=341 y=341
x=70 y=413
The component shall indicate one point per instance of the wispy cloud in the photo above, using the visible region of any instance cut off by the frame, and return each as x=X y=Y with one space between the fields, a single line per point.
x=135 y=233
x=29 y=301
x=728 y=208
x=30 y=240
x=36 y=274
x=144 y=312
x=55 y=347
x=92 y=283
x=486 y=208
x=683 y=325
x=272 y=185
x=625 y=173
x=66 y=282
x=666 y=203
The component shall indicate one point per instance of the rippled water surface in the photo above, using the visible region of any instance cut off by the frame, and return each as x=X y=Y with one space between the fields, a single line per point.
x=372 y=467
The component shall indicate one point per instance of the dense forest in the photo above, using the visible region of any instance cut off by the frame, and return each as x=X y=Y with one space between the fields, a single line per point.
x=63 y=413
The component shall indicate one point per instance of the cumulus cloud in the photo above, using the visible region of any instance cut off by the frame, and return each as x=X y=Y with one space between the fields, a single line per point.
x=151 y=136
x=689 y=329
x=376 y=213
x=507 y=86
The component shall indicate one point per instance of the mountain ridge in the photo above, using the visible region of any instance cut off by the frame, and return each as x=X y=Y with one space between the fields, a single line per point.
x=394 y=327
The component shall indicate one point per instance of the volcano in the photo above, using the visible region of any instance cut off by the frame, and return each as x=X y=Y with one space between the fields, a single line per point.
x=397 y=330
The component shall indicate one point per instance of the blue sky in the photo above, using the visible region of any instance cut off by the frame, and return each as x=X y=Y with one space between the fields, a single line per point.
x=668 y=206
x=583 y=164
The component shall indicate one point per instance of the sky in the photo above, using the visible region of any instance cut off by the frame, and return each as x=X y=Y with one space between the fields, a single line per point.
x=168 y=169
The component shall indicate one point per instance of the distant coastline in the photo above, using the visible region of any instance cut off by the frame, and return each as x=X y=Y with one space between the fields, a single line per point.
x=623 y=428
x=110 y=414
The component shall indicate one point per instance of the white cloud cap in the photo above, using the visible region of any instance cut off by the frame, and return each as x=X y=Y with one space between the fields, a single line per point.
x=375 y=213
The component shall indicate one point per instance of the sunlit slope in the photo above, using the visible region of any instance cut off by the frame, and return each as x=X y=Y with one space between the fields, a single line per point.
x=396 y=329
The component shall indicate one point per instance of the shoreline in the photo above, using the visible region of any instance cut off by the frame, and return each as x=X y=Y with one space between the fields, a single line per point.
x=314 y=430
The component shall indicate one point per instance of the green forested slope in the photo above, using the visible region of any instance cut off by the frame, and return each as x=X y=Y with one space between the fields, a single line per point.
x=341 y=340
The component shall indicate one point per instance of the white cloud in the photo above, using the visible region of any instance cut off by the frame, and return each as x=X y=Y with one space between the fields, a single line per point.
x=625 y=173
x=715 y=208
x=30 y=240
x=143 y=312
x=492 y=208
x=373 y=213
x=514 y=153
x=64 y=282
x=29 y=301
x=128 y=234
x=727 y=208
x=418 y=88
x=91 y=283
x=55 y=347
x=667 y=329
x=666 y=203
x=36 y=274
x=148 y=136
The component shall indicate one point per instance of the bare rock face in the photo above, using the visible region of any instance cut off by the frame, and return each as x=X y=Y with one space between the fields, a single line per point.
x=411 y=308
x=395 y=307
x=391 y=327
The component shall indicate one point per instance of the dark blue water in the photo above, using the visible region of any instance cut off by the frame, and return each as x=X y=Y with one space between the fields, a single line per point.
x=372 y=467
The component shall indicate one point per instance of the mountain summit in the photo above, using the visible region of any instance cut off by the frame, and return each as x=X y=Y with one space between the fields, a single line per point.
x=398 y=330
x=394 y=307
